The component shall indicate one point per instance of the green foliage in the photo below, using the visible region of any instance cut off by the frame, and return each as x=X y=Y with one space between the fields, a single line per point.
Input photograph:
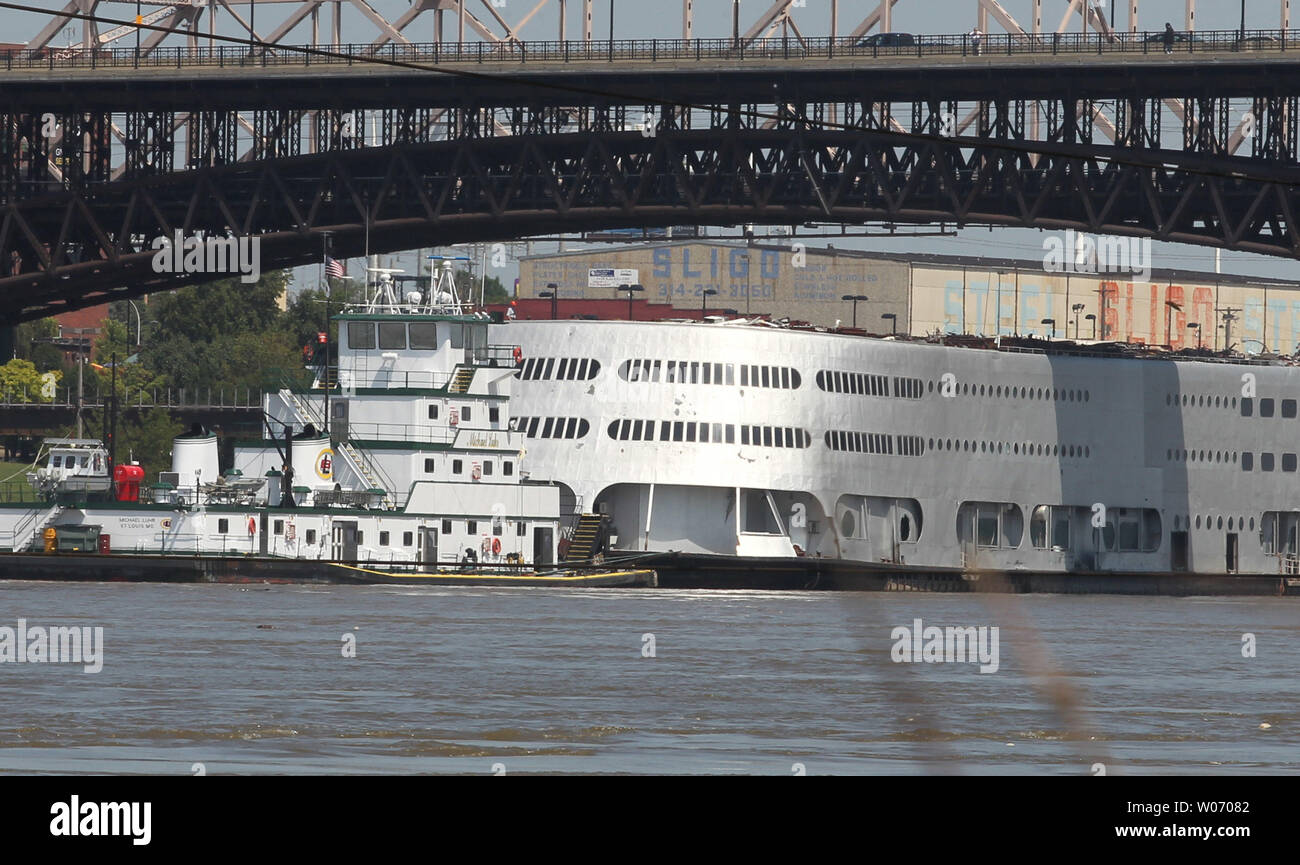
x=493 y=290
x=21 y=381
x=46 y=357
x=145 y=436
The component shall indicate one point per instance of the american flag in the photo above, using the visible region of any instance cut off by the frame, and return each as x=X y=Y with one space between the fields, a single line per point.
x=334 y=268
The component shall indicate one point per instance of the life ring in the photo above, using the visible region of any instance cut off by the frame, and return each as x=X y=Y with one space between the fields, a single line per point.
x=519 y=356
x=496 y=546
x=252 y=526
x=477 y=473
x=487 y=545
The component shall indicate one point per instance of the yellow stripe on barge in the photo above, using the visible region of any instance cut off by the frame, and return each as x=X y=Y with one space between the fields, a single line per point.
x=629 y=578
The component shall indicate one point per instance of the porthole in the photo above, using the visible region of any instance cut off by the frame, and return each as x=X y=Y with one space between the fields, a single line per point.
x=1184 y=399
x=981 y=390
x=1234 y=402
x=1087 y=451
x=1087 y=396
x=999 y=447
x=931 y=387
x=1252 y=524
x=1220 y=524
x=931 y=444
x=1198 y=521
x=1015 y=450
x=983 y=446
x=1216 y=402
x=1168 y=399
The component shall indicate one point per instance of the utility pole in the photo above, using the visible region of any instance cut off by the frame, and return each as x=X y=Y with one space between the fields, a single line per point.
x=1229 y=315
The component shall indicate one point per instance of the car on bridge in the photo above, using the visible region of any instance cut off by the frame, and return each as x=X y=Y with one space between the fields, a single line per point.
x=888 y=40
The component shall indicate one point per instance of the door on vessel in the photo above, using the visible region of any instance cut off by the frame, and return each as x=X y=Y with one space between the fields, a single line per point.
x=262 y=540
x=543 y=546
x=344 y=537
x=1230 y=553
x=339 y=419
x=429 y=546
x=1178 y=551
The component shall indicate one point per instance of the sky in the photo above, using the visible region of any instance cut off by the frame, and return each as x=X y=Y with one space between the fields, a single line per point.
x=638 y=19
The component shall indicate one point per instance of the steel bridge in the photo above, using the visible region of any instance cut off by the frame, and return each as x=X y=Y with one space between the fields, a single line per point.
x=393 y=144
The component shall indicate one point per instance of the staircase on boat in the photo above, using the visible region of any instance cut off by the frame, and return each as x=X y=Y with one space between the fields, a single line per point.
x=588 y=538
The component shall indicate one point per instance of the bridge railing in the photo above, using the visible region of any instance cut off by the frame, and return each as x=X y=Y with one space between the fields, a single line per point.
x=170 y=398
x=652 y=50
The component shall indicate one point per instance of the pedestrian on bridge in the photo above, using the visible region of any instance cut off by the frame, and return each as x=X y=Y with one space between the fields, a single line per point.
x=1169 y=38
x=975 y=36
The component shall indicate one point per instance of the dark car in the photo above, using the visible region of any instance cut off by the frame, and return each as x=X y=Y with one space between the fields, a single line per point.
x=888 y=40
x=1261 y=41
x=1180 y=38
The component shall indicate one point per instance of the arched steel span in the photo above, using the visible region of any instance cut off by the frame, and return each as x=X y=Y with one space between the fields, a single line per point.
x=515 y=186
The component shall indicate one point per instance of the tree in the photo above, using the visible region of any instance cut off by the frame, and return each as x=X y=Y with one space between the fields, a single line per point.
x=21 y=381
x=47 y=357
x=468 y=288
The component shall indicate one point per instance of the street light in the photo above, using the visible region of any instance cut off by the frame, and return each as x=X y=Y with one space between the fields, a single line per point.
x=554 y=295
x=704 y=299
x=630 y=289
x=1243 y=19
x=137 y=324
x=1077 y=308
x=1092 y=318
x=1196 y=326
x=1170 y=306
x=893 y=319
x=1052 y=322
x=855 y=298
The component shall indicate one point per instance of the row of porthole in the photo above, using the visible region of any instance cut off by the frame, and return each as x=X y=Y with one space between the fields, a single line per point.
x=1183 y=455
x=1200 y=401
x=1022 y=392
x=1031 y=449
x=1183 y=523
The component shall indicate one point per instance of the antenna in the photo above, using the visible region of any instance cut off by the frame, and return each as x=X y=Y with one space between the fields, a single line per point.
x=1229 y=315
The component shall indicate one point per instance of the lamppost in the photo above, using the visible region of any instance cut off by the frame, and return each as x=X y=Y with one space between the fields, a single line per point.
x=893 y=319
x=1170 y=306
x=1243 y=20
x=631 y=290
x=1052 y=322
x=1193 y=325
x=704 y=299
x=1092 y=318
x=138 y=325
x=1076 y=308
x=553 y=292
x=854 y=298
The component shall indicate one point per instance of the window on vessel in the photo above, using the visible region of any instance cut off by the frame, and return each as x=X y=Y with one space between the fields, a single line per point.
x=392 y=335
x=456 y=333
x=1288 y=408
x=497 y=528
x=424 y=335
x=383 y=539
x=487 y=467
x=433 y=411
x=464 y=413
x=1266 y=407
x=446 y=527
x=428 y=465
x=361 y=537
x=521 y=528
x=1247 y=461
x=457 y=467
x=507 y=468
x=494 y=414
x=310 y=537
x=278 y=527
x=759 y=517
x=1247 y=406
x=361 y=334
x=408 y=539
x=1288 y=462
x=1266 y=462
x=471 y=527
x=223 y=526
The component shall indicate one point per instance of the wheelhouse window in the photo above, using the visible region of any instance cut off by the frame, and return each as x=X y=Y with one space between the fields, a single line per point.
x=361 y=334
x=392 y=335
x=424 y=335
